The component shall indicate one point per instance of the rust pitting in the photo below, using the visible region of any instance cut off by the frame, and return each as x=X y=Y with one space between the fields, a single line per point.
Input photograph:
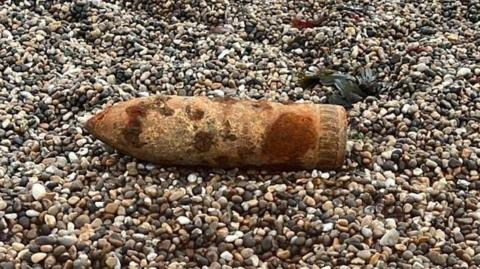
x=227 y=130
x=289 y=138
x=160 y=104
x=133 y=128
x=203 y=141
x=194 y=113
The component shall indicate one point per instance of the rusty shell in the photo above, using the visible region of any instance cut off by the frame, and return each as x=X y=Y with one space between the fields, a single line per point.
x=225 y=133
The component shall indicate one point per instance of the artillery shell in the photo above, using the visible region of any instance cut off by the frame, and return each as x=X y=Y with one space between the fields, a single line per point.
x=225 y=133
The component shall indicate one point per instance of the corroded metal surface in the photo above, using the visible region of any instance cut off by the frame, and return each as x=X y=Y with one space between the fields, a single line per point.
x=198 y=131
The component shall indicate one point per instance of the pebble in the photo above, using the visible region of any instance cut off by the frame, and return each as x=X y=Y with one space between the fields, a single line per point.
x=364 y=254
x=3 y=205
x=111 y=262
x=390 y=238
x=32 y=213
x=437 y=258
x=38 y=257
x=81 y=220
x=464 y=72
x=226 y=255
x=183 y=220
x=192 y=178
x=38 y=191
x=67 y=240
x=177 y=194
x=283 y=254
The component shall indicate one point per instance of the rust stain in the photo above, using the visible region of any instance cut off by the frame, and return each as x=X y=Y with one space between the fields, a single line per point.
x=133 y=128
x=228 y=132
x=261 y=105
x=289 y=138
x=203 y=141
x=194 y=113
x=160 y=104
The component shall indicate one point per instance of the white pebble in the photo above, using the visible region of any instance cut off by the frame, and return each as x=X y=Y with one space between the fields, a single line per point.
x=32 y=213
x=38 y=191
x=183 y=220
x=390 y=238
x=11 y=216
x=417 y=172
x=390 y=182
x=192 y=178
x=226 y=255
x=325 y=175
x=327 y=227
x=464 y=72
x=38 y=257
x=219 y=93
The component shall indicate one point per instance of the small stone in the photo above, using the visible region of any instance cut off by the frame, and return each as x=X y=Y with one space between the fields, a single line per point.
x=183 y=220
x=111 y=208
x=452 y=37
x=417 y=265
x=327 y=227
x=367 y=232
x=151 y=191
x=7 y=265
x=81 y=220
x=298 y=240
x=247 y=253
x=248 y=241
x=219 y=93
x=32 y=213
x=417 y=172
x=216 y=85
x=38 y=257
x=76 y=185
x=431 y=163
x=72 y=157
x=464 y=72
x=268 y=196
x=437 y=258
x=45 y=240
x=111 y=261
x=192 y=178
x=11 y=216
x=364 y=254
x=18 y=246
x=390 y=238
x=427 y=30
x=226 y=255
x=38 y=191
x=454 y=163
x=145 y=76
x=407 y=255
x=67 y=241
x=309 y=201
x=3 y=205
x=96 y=33
x=283 y=254
x=177 y=194
x=132 y=169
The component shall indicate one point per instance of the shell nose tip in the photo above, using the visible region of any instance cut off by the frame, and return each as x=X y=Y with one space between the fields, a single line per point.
x=90 y=125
